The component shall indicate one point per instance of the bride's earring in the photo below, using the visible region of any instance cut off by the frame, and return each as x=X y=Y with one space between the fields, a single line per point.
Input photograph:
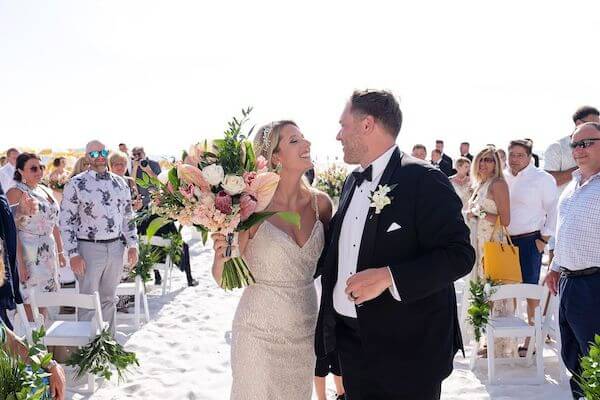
x=278 y=167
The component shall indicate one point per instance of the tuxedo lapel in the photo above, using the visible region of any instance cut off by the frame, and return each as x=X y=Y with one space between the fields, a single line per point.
x=369 y=235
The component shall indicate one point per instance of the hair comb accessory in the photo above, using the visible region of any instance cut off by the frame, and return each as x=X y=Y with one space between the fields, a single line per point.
x=266 y=140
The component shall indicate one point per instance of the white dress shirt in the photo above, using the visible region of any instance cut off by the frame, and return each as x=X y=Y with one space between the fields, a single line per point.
x=533 y=201
x=559 y=157
x=7 y=174
x=577 y=230
x=351 y=235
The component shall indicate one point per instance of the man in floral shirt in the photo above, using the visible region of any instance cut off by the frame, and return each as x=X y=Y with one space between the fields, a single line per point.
x=96 y=223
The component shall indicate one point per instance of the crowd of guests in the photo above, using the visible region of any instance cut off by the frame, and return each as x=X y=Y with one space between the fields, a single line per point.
x=83 y=220
x=555 y=208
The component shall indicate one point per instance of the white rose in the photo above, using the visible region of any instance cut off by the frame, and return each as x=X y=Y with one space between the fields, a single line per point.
x=163 y=177
x=213 y=174
x=233 y=184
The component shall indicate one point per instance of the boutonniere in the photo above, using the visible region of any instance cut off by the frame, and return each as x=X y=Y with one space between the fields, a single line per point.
x=379 y=198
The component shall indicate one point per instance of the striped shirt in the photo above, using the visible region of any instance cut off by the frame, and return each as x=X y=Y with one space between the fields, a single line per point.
x=578 y=225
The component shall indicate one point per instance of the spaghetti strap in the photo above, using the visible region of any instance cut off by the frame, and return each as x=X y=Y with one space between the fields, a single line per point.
x=315 y=204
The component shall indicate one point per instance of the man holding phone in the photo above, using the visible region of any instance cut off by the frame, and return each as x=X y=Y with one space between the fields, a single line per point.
x=140 y=165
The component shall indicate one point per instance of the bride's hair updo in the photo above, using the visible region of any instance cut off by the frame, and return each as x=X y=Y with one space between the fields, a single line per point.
x=266 y=141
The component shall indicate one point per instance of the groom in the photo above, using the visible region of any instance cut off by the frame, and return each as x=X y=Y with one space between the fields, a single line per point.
x=388 y=303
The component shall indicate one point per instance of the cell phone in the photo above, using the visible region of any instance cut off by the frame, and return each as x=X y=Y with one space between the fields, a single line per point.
x=144 y=163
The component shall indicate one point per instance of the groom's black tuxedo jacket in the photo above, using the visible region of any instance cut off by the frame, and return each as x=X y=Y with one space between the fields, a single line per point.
x=413 y=340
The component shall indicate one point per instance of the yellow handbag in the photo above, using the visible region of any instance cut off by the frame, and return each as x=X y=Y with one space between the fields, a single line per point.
x=501 y=260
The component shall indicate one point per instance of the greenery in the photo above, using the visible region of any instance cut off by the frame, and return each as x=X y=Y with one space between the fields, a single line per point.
x=479 y=309
x=100 y=356
x=590 y=371
x=175 y=250
x=148 y=256
x=19 y=381
x=331 y=181
x=235 y=153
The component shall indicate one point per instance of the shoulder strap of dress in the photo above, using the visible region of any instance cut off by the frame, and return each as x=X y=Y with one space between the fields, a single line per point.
x=315 y=204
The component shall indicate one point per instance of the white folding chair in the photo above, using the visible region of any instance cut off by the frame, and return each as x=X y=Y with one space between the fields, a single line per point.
x=165 y=268
x=517 y=327
x=138 y=291
x=550 y=328
x=69 y=333
x=23 y=326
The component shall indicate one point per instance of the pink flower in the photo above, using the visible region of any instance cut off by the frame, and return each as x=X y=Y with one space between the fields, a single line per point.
x=249 y=177
x=170 y=187
x=187 y=191
x=262 y=164
x=247 y=206
x=192 y=175
x=223 y=203
x=263 y=188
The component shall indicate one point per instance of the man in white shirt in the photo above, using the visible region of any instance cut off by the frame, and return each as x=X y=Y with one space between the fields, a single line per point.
x=7 y=172
x=558 y=158
x=576 y=265
x=533 y=199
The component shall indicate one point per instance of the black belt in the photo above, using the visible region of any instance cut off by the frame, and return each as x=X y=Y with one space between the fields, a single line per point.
x=100 y=240
x=525 y=235
x=582 y=272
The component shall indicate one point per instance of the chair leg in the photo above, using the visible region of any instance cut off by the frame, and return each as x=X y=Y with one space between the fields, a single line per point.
x=146 y=309
x=136 y=307
x=539 y=344
x=473 y=361
x=164 y=281
x=491 y=356
x=91 y=382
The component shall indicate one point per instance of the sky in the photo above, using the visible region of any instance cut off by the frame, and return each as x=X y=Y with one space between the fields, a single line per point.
x=165 y=74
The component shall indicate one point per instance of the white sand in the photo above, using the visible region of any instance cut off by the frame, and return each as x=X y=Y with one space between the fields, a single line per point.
x=184 y=351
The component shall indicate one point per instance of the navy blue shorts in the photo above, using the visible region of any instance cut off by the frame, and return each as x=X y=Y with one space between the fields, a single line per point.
x=529 y=257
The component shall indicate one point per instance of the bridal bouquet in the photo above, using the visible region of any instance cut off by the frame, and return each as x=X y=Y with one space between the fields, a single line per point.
x=56 y=182
x=220 y=187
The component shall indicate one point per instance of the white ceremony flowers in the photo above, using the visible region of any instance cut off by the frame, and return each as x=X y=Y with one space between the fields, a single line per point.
x=379 y=198
x=233 y=184
x=213 y=174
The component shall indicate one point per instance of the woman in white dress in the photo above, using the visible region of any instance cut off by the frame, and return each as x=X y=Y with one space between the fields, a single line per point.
x=461 y=181
x=272 y=354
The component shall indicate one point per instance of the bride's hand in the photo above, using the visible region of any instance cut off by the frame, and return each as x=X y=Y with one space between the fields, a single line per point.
x=220 y=246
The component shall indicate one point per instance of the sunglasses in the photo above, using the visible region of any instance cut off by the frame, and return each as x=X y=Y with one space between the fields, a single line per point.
x=488 y=160
x=96 y=153
x=35 y=168
x=583 y=144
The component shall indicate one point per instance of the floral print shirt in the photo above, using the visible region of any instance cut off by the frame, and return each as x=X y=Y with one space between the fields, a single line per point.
x=96 y=206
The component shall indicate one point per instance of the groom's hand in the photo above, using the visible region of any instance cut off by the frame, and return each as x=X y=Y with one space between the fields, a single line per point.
x=368 y=284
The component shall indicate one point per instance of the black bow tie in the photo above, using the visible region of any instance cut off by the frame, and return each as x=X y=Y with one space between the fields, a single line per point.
x=102 y=176
x=366 y=175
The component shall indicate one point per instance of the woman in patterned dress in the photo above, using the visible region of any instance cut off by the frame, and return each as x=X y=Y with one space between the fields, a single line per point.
x=39 y=245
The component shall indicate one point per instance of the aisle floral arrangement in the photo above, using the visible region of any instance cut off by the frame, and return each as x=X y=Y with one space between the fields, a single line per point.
x=220 y=187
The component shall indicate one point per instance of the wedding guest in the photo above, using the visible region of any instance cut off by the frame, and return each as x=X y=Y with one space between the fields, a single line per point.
x=436 y=159
x=558 y=159
x=9 y=293
x=489 y=203
x=575 y=268
x=123 y=148
x=533 y=200
x=534 y=157
x=461 y=181
x=310 y=176
x=446 y=162
x=3 y=161
x=419 y=151
x=502 y=156
x=81 y=165
x=58 y=177
x=140 y=165
x=97 y=224
x=7 y=172
x=39 y=244
x=464 y=151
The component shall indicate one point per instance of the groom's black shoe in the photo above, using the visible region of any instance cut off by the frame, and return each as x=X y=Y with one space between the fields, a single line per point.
x=341 y=397
x=193 y=282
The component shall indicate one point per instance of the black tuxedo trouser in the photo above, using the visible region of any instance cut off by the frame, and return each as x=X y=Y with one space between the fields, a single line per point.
x=359 y=380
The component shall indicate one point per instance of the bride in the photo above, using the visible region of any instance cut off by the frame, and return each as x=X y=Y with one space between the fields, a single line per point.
x=272 y=354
